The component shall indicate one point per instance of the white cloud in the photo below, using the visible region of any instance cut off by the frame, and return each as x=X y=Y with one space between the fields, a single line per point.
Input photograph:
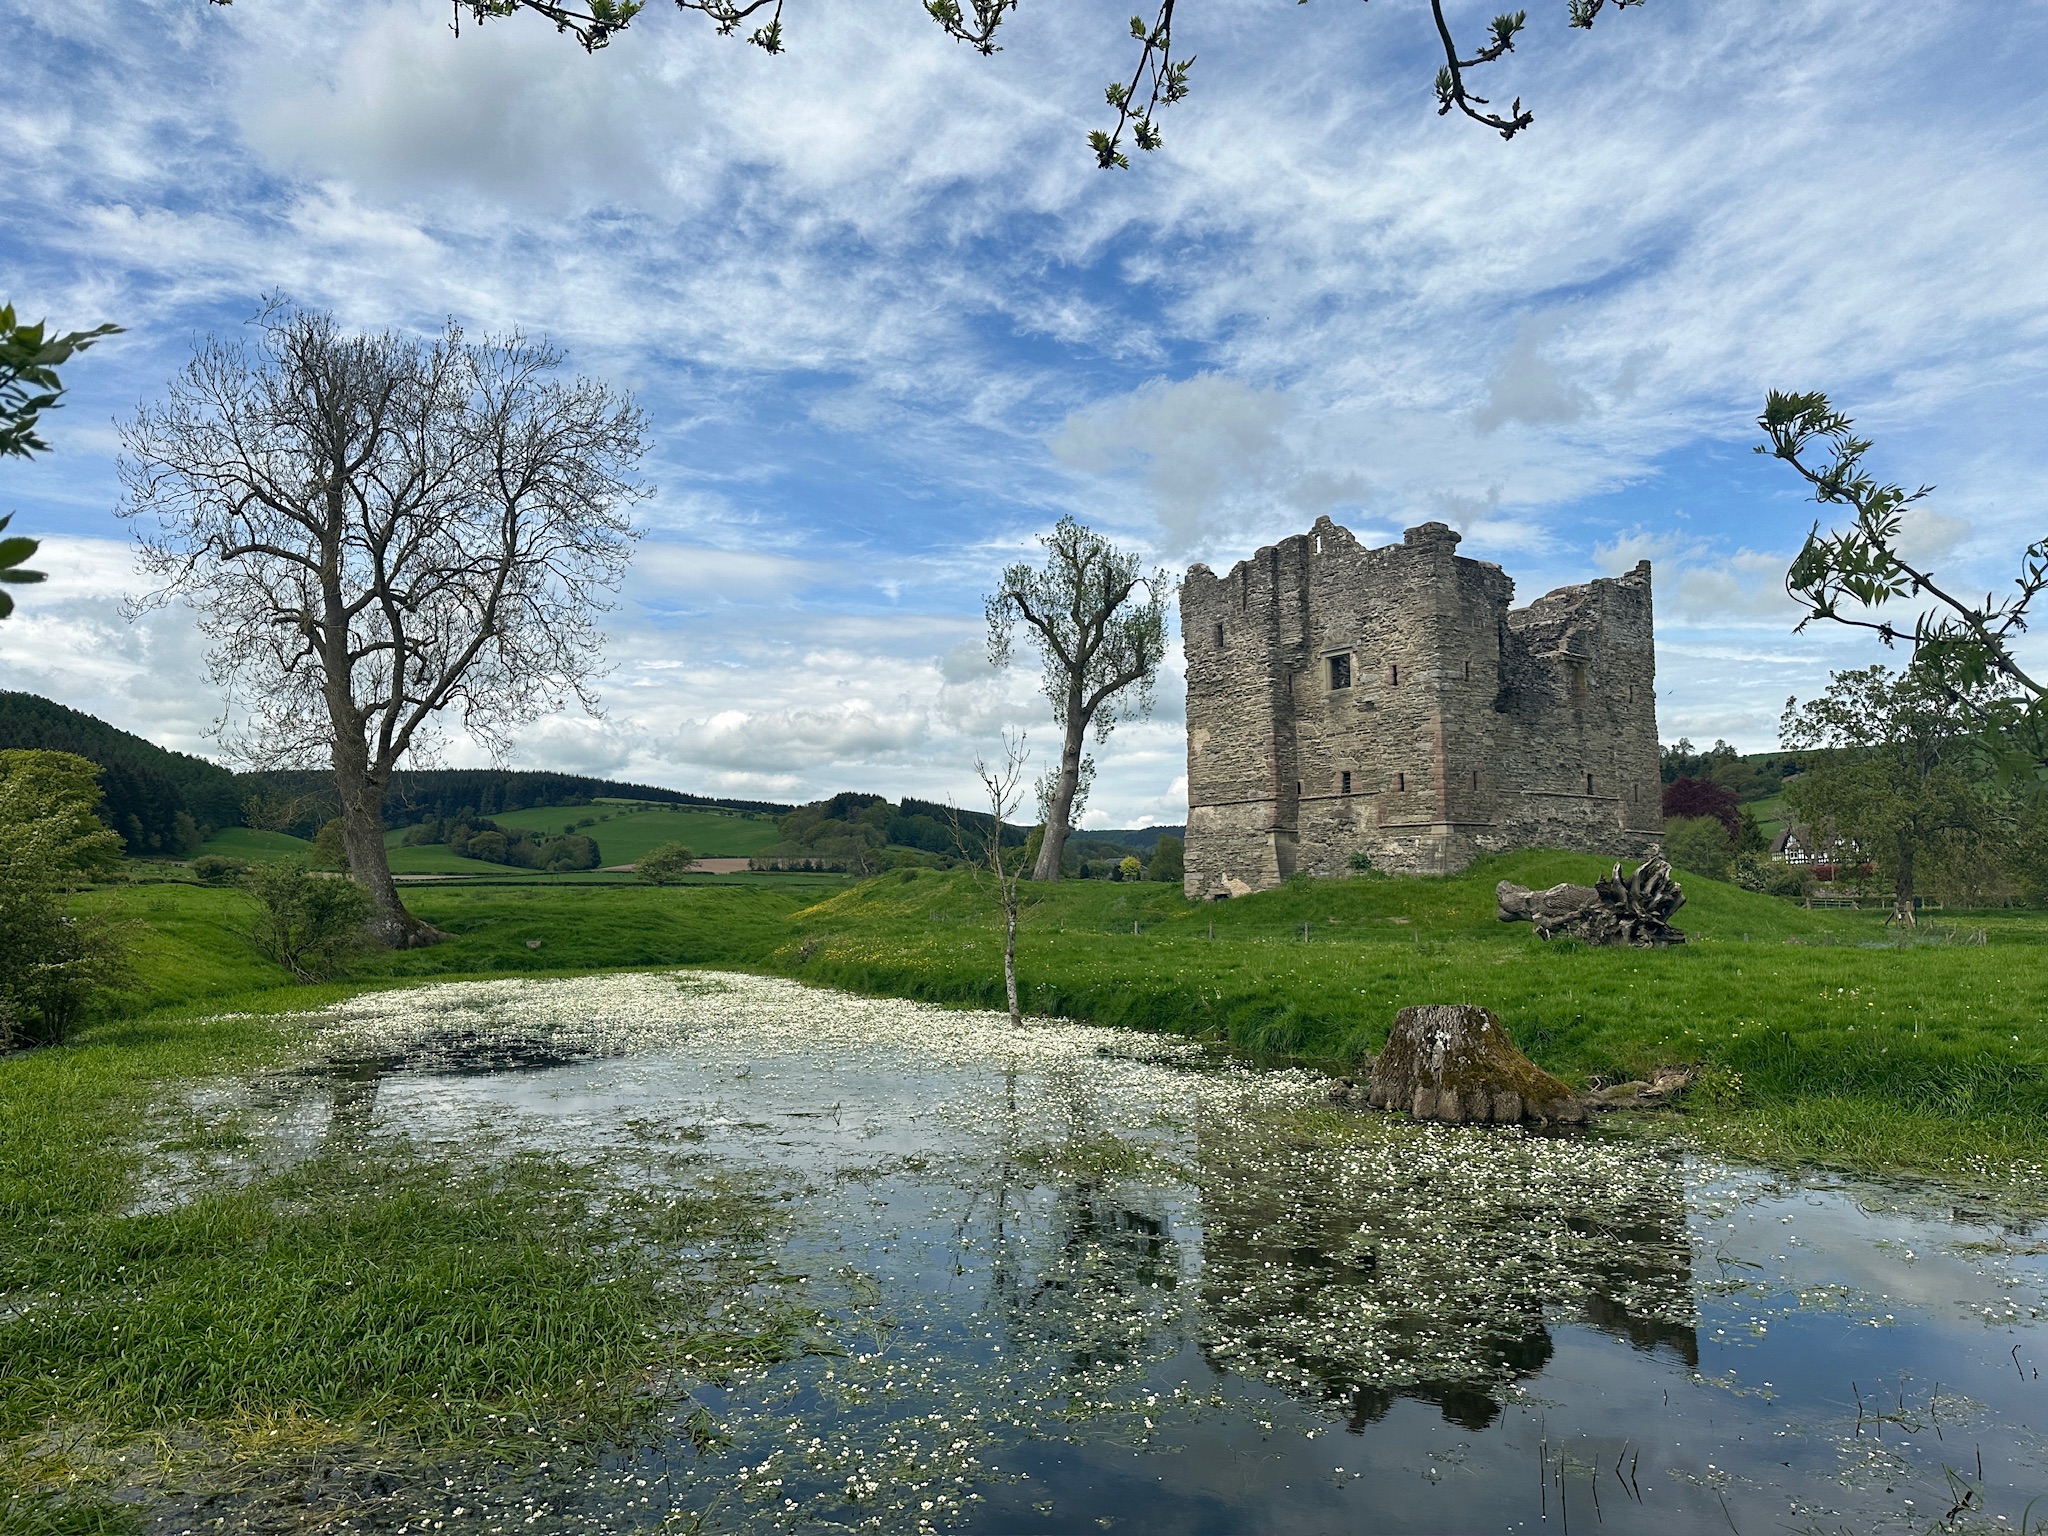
x=889 y=320
x=1527 y=387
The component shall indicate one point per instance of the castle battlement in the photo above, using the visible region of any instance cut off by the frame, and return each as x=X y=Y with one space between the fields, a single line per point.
x=1389 y=702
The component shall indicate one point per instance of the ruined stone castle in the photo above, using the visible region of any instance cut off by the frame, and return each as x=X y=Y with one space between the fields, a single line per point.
x=1388 y=702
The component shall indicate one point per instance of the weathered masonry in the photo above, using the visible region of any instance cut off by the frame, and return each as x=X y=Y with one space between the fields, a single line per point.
x=1388 y=702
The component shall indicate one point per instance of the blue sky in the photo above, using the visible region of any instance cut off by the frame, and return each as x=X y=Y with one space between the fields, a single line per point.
x=890 y=322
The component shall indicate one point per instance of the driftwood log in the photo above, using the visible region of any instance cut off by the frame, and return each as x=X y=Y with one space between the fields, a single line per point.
x=1455 y=1063
x=1634 y=910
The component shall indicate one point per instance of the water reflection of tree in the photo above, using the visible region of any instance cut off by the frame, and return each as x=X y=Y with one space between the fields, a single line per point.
x=1431 y=1263
x=1086 y=1267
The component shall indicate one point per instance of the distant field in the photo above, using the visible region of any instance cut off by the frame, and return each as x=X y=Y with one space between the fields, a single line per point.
x=248 y=843
x=432 y=859
x=1771 y=815
x=624 y=835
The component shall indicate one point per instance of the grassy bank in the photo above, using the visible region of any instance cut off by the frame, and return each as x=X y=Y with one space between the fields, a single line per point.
x=383 y=1310
x=319 y=1335
x=1822 y=1035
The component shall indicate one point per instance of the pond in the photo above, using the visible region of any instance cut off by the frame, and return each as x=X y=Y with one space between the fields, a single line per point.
x=1078 y=1279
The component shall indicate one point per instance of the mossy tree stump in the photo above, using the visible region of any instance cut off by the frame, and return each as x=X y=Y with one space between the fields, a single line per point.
x=1454 y=1062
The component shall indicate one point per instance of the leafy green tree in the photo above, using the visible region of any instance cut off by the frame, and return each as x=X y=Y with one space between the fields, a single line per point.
x=1906 y=766
x=665 y=865
x=310 y=920
x=1129 y=868
x=1699 y=845
x=1169 y=856
x=1100 y=647
x=58 y=793
x=1157 y=79
x=330 y=851
x=490 y=846
x=52 y=960
x=571 y=852
x=1962 y=644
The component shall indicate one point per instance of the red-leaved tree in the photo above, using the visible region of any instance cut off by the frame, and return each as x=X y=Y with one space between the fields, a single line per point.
x=1703 y=797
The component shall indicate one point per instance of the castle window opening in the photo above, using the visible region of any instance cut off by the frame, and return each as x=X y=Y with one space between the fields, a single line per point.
x=1468 y=671
x=1319 y=543
x=1219 y=637
x=1344 y=782
x=1394 y=675
x=1400 y=783
x=1589 y=783
x=1475 y=778
x=1340 y=671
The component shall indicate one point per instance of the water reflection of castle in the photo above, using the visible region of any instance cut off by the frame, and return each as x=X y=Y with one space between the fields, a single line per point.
x=1433 y=1264
x=1427 y=1265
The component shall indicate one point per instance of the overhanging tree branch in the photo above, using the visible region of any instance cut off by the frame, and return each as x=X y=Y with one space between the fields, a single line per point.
x=1156 y=80
x=1846 y=575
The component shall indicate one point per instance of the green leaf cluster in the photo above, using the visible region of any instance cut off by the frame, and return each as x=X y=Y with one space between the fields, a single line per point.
x=29 y=356
x=52 y=961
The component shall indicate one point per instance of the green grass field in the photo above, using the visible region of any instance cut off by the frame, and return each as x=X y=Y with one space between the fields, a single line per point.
x=624 y=833
x=248 y=843
x=409 y=1305
x=1771 y=814
x=1828 y=1038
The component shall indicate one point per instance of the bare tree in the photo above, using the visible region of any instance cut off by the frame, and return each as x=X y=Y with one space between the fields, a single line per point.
x=1157 y=80
x=1846 y=575
x=379 y=529
x=1004 y=785
x=1095 y=641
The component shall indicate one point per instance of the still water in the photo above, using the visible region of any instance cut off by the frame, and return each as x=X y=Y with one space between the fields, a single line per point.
x=1076 y=1279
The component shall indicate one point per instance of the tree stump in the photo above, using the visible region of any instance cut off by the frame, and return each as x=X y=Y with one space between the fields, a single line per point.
x=1635 y=910
x=1453 y=1062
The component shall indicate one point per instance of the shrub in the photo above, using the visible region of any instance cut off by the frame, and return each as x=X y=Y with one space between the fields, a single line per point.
x=216 y=870
x=51 y=962
x=1700 y=845
x=1360 y=862
x=1788 y=881
x=309 y=921
x=1169 y=860
x=329 y=851
x=491 y=847
x=571 y=852
x=1128 y=868
x=665 y=865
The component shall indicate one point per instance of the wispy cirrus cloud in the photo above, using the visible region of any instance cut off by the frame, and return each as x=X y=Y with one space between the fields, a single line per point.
x=888 y=320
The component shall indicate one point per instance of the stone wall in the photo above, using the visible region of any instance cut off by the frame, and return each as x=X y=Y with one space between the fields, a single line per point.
x=1388 y=702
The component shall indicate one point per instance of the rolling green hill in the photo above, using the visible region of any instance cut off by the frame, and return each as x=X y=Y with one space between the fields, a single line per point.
x=625 y=833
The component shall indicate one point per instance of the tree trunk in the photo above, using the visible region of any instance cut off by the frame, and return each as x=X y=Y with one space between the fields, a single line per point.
x=1902 y=888
x=1010 y=962
x=362 y=834
x=1054 y=849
